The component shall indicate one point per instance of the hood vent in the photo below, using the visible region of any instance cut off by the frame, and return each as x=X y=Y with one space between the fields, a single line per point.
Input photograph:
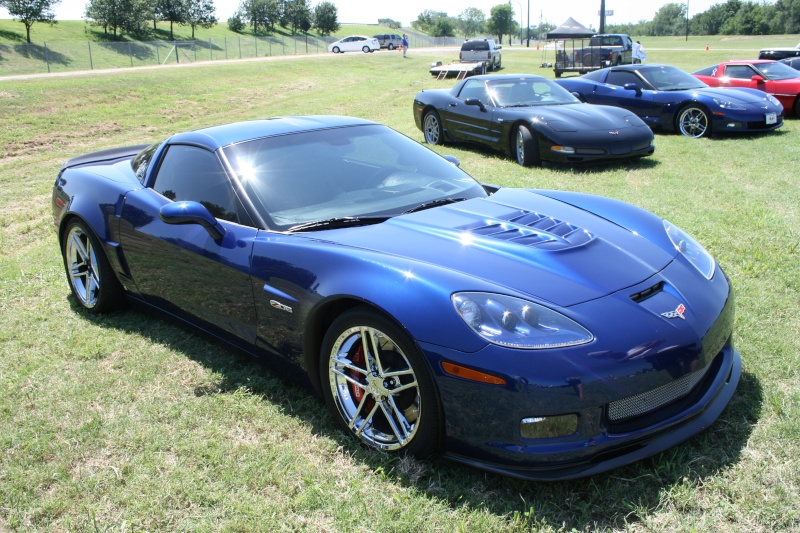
x=531 y=229
x=647 y=293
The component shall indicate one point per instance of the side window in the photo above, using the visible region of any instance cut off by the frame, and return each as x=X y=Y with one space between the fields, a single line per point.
x=474 y=89
x=743 y=72
x=193 y=174
x=620 y=78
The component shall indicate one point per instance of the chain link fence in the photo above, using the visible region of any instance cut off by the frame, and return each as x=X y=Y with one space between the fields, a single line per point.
x=52 y=57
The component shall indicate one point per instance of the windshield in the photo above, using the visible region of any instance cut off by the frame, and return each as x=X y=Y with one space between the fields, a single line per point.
x=524 y=92
x=367 y=171
x=671 y=79
x=777 y=71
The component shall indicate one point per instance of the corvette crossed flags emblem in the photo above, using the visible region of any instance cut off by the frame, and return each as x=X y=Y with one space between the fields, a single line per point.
x=677 y=313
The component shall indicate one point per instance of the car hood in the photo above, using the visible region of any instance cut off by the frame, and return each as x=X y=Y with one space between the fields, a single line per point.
x=582 y=117
x=519 y=240
x=737 y=95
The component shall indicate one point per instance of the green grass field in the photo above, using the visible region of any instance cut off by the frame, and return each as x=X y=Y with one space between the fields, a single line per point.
x=127 y=422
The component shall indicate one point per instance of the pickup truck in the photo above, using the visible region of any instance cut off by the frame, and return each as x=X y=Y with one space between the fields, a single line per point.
x=486 y=50
x=603 y=50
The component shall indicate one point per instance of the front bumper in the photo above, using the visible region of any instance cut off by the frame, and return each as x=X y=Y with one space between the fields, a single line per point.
x=644 y=385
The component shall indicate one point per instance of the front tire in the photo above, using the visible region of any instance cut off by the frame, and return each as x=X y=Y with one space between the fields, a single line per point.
x=89 y=273
x=693 y=121
x=525 y=147
x=432 y=128
x=390 y=47
x=366 y=49
x=336 y=50
x=377 y=384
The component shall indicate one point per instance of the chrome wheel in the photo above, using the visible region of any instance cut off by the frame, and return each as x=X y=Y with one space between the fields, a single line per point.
x=432 y=128
x=693 y=122
x=81 y=263
x=365 y=49
x=378 y=387
x=90 y=277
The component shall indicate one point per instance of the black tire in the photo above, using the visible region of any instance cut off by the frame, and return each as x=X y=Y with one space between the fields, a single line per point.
x=89 y=273
x=390 y=47
x=797 y=108
x=432 y=128
x=693 y=121
x=384 y=395
x=366 y=49
x=525 y=147
x=336 y=50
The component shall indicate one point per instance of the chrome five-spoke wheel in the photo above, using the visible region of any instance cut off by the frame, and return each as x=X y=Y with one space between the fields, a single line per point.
x=89 y=274
x=694 y=122
x=377 y=385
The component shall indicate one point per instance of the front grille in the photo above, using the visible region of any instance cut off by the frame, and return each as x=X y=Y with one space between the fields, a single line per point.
x=649 y=408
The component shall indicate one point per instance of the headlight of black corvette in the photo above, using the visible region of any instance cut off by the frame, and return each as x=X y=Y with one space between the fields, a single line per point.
x=691 y=249
x=517 y=323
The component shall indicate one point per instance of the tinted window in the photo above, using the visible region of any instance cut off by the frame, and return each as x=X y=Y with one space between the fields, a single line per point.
x=621 y=77
x=475 y=45
x=743 y=72
x=141 y=162
x=188 y=173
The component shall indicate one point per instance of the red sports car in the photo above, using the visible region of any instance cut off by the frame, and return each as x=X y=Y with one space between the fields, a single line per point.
x=772 y=77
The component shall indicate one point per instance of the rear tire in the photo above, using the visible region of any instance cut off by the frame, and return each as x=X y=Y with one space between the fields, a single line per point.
x=390 y=47
x=365 y=49
x=89 y=273
x=432 y=128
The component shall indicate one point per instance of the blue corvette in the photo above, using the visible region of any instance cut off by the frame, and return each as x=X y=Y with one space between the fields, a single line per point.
x=669 y=99
x=538 y=334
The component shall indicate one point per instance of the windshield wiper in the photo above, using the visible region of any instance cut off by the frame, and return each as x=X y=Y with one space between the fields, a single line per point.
x=337 y=222
x=434 y=203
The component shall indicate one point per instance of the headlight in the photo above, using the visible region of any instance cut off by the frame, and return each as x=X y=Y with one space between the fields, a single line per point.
x=691 y=249
x=516 y=323
x=774 y=100
x=726 y=104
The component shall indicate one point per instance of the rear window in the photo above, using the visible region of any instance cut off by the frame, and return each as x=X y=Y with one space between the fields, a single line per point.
x=475 y=45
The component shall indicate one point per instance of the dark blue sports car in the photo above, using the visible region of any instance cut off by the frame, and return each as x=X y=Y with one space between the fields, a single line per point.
x=530 y=118
x=669 y=99
x=538 y=334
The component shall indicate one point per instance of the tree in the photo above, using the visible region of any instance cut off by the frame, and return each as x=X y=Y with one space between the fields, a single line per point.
x=427 y=19
x=501 y=21
x=31 y=11
x=443 y=27
x=258 y=13
x=326 y=18
x=471 y=22
x=395 y=25
x=200 y=14
x=669 y=20
x=236 y=22
x=172 y=11
x=295 y=12
x=129 y=16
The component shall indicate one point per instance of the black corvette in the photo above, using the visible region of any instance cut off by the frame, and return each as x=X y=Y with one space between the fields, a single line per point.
x=530 y=118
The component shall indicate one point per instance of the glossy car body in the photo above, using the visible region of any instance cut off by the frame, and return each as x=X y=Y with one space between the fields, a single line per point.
x=539 y=334
x=778 y=53
x=793 y=62
x=355 y=43
x=668 y=99
x=772 y=77
x=531 y=119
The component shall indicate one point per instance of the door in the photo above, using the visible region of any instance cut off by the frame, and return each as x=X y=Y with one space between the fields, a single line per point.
x=181 y=268
x=471 y=122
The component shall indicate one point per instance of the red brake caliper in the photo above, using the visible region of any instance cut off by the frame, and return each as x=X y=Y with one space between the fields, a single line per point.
x=357 y=392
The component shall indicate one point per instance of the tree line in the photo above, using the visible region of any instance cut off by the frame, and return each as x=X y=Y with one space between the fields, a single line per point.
x=734 y=17
x=135 y=17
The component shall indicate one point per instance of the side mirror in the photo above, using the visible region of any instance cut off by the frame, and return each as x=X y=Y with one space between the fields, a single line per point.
x=633 y=87
x=758 y=79
x=476 y=102
x=452 y=160
x=192 y=213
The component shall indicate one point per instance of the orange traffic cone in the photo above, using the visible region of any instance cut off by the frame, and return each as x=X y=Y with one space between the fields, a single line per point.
x=706 y=47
